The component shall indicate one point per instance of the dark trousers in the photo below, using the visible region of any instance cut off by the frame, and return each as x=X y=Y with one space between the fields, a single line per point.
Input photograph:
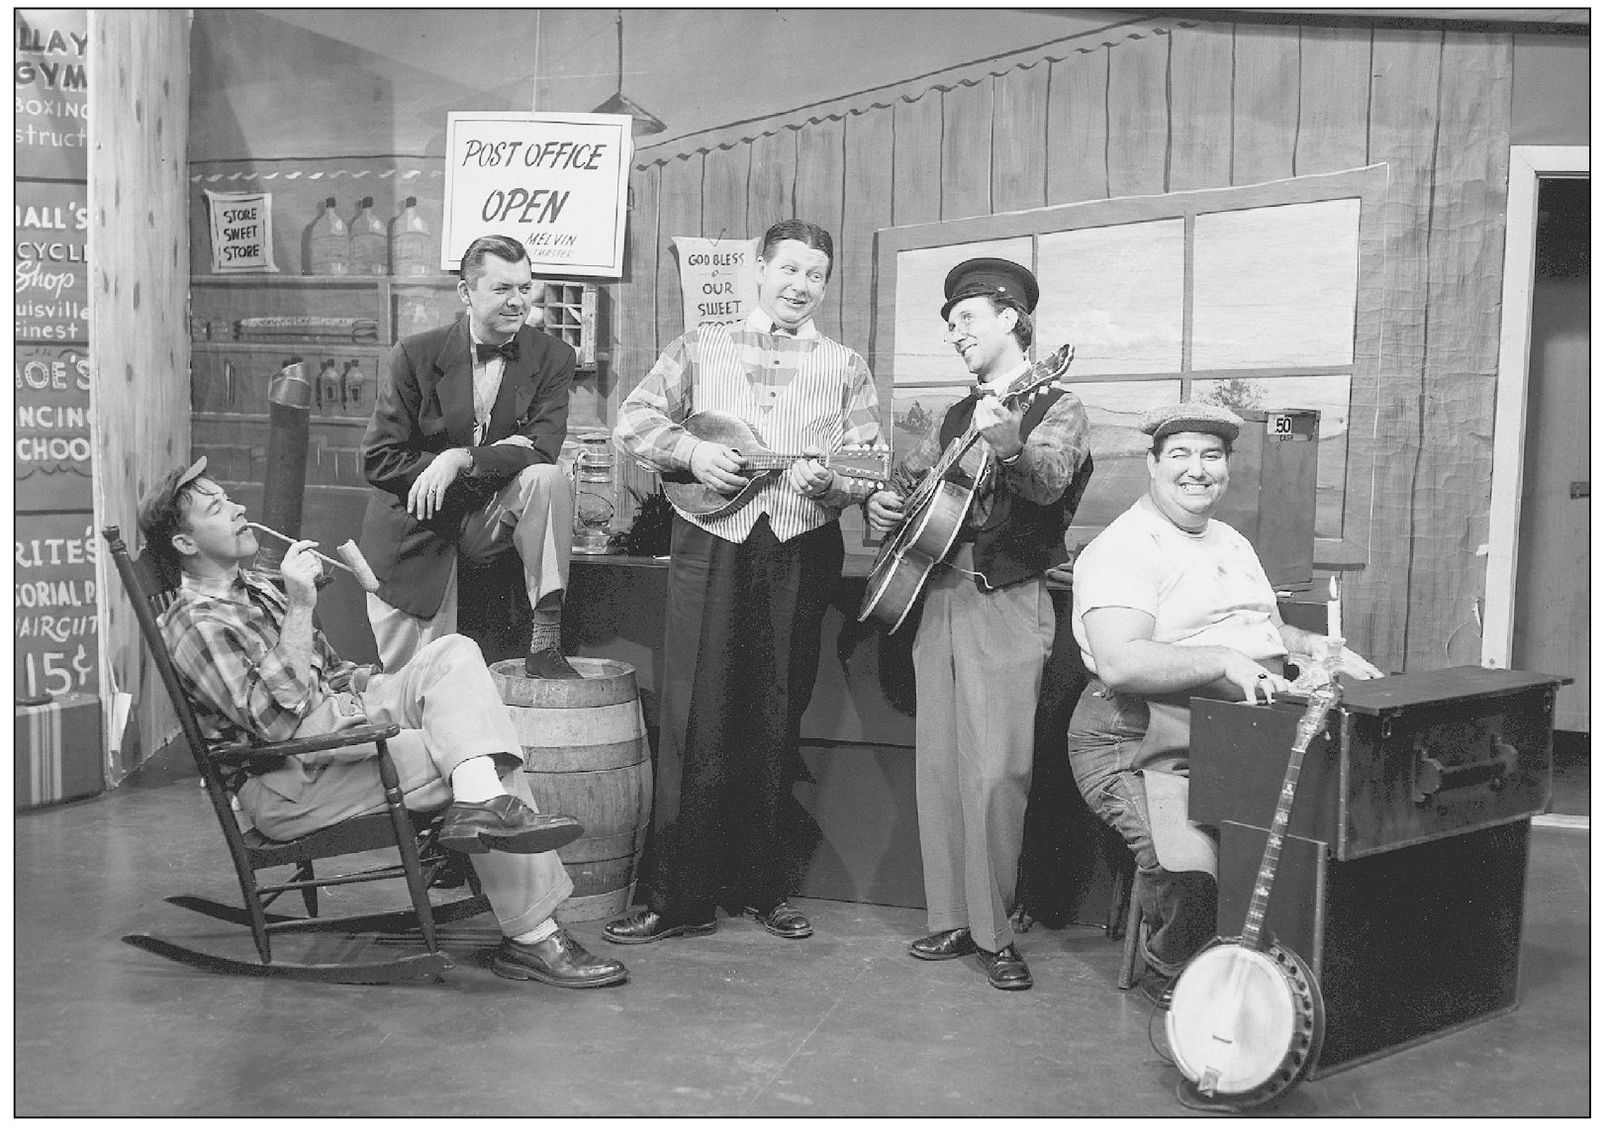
x=741 y=647
x=1105 y=741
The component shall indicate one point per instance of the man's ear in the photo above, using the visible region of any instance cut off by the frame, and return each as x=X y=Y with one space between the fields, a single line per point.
x=463 y=291
x=184 y=544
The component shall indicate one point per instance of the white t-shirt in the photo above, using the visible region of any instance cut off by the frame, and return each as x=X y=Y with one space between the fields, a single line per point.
x=1205 y=589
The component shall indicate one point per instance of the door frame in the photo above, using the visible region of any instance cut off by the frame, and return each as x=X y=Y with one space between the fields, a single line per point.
x=1529 y=164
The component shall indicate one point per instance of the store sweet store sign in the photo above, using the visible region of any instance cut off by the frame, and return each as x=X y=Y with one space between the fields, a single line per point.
x=556 y=181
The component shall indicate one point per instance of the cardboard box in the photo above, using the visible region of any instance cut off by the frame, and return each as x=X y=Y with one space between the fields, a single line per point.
x=59 y=755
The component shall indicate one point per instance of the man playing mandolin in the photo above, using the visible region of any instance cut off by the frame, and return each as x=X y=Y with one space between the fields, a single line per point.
x=1169 y=602
x=748 y=587
x=988 y=624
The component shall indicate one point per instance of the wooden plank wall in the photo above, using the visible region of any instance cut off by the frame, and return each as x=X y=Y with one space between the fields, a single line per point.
x=1167 y=105
x=139 y=272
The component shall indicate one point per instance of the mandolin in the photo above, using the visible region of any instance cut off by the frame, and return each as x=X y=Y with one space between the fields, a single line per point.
x=936 y=510
x=865 y=465
x=1246 y=1015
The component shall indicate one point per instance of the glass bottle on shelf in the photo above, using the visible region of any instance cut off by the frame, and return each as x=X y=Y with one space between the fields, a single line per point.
x=329 y=243
x=370 y=246
x=412 y=253
x=351 y=386
x=328 y=386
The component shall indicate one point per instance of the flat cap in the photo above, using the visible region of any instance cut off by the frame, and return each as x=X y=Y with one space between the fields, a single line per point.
x=160 y=499
x=990 y=277
x=1191 y=416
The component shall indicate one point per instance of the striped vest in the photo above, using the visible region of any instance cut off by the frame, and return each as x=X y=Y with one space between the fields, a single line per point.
x=804 y=413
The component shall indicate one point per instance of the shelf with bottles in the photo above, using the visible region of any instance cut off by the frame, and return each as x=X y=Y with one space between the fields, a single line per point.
x=232 y=379
x=335 y=313
x=236 y=447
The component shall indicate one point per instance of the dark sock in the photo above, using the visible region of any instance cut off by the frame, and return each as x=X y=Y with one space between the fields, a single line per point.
x=548 y=622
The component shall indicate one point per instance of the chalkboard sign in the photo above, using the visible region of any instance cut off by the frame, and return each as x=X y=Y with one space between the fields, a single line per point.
x=52 y=110
x=56 y=645
x=52 y=266
x=52 y=428
x=57 y=641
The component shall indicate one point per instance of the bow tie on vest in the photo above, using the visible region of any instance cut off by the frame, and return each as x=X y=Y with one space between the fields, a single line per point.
x=508 y=350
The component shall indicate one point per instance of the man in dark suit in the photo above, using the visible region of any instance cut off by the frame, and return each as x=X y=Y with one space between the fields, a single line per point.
x=462 y=450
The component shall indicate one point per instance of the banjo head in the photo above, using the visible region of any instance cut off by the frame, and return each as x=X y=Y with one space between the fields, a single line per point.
x=1241 y=1023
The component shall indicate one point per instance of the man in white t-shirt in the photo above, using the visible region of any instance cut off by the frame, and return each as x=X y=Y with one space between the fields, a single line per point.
x=1168 y=603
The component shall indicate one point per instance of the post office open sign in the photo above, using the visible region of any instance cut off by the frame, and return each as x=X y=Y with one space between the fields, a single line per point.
x=555 y=180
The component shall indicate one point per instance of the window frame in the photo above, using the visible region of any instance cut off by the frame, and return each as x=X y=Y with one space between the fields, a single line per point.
x=1366 y=184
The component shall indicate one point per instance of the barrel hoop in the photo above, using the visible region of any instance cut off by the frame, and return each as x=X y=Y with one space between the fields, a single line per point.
x=594 y=849
x=602 y=682
x=603 y=725
x=574 y=760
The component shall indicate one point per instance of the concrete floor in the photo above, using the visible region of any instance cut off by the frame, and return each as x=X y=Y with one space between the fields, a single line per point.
x=738 y=1023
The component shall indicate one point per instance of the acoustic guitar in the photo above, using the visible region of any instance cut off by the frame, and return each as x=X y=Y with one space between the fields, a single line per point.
x=937 y=508
x=1246 y=1017
x=864 y=465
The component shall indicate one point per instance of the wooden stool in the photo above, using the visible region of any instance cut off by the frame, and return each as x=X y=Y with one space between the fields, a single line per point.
x=1129 y=962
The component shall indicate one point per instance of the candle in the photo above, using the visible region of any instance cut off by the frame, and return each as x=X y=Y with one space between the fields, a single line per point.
x=1333 y=609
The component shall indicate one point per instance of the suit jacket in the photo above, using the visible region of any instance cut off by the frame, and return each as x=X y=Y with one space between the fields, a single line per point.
x=425 y=406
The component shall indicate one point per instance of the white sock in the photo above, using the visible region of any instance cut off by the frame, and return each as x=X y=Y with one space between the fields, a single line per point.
x=476 y=780
x=543 y=929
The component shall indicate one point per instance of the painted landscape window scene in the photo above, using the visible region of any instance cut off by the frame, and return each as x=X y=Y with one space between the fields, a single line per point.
x=1251 y=297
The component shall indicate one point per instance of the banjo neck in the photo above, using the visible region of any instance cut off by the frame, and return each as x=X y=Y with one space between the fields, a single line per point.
x=1247 y=1017
x=1318 y=705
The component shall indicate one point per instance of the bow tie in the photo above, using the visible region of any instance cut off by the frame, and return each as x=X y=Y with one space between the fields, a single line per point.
x=508 y=350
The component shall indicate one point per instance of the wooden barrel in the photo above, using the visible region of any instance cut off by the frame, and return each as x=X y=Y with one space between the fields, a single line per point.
x=586 y=755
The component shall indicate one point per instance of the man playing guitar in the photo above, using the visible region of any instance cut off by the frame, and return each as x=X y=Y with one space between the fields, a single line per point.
x=987 y=624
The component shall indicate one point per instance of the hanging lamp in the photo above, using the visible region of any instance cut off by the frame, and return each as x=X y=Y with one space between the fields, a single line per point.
x=643 y=122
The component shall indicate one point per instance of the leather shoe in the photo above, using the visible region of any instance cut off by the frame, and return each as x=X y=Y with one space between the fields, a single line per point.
x=1155 y=963
x=944 y=945
x=648 y=926
x=453 y=872
x=783 y=919
x=505 y=823
x=1007 y=970
x=557 y=960
x=550 y=664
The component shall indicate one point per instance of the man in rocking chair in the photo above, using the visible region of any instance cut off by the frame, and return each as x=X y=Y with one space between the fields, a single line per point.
x=256 y=669
x=987 y=622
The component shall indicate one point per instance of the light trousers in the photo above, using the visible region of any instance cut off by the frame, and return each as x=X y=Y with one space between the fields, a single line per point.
x=449 y=711
x=978 y=660
x=533 y=515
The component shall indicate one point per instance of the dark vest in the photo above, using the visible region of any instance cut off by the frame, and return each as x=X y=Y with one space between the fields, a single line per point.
x=1019 y=539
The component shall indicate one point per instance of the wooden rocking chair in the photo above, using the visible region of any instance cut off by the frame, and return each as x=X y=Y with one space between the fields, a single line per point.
x=412 y=835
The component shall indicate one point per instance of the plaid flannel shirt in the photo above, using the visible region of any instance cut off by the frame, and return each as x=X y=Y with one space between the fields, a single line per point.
x=241 y=684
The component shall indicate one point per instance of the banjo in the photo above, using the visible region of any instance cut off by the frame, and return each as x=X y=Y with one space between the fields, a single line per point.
x=1246 y=1016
